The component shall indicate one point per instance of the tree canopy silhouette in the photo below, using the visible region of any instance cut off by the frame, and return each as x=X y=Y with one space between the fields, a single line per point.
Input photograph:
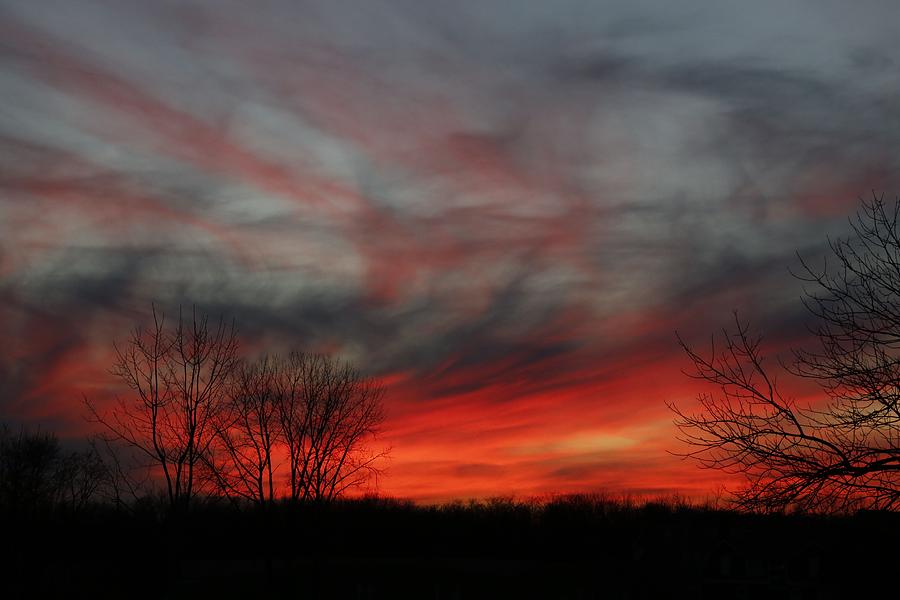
x=207 y=421
x=241 y=462
x=842 y=453
x=37 y=475
x=178 y=377
x=316 y=414
x=327 y=412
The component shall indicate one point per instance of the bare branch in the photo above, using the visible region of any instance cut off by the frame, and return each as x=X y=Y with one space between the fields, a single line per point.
x=844 y=455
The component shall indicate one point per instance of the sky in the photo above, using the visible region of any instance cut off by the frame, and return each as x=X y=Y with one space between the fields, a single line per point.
x=503 y=210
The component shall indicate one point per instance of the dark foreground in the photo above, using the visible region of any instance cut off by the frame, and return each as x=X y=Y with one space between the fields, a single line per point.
x=578 y=548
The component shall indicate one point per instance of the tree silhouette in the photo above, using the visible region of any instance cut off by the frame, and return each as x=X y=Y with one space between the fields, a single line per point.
x=28 y=463
x=328 y=411
x=248 y=432
x=178 y=378
x=844 y=452
x=38 y=476
x=80 y=477
x=318 y=411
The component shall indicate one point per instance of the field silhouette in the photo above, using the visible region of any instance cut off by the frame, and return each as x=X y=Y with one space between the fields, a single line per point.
x=373 y=547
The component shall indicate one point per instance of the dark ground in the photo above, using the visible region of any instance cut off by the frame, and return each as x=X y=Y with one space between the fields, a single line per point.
x=577 y=548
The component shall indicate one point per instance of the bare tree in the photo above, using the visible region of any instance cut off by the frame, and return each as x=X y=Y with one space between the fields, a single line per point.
x=841 y=453
x=328 y=413
x=248 y=432
x=37 y=475
x=122 y=484
x=178 y=378
x=79 y=478
x=28 y=471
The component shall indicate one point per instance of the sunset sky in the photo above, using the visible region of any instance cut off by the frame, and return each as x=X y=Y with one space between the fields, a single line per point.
x=505 y=210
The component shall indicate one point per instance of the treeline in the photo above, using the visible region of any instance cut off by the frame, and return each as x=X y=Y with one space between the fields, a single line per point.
x=370 y=547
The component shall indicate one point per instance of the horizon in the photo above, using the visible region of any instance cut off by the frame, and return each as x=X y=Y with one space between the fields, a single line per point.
x=503 y=213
